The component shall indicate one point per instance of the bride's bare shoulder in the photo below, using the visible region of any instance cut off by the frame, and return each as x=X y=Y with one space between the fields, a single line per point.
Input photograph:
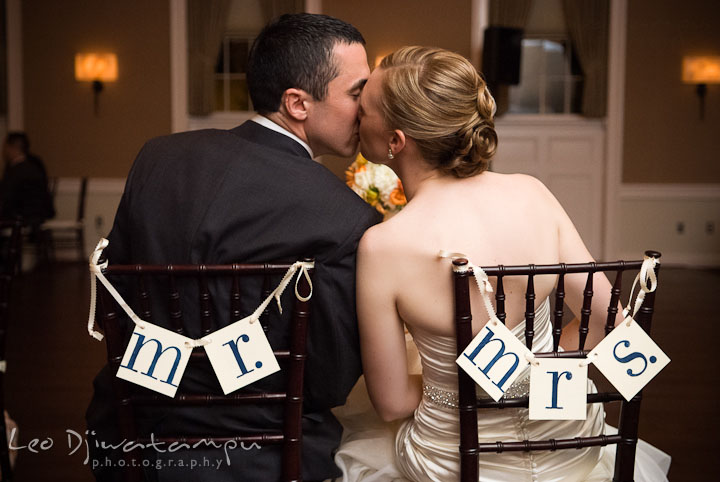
x=528 y=187
x=387 y=237
x=519 y=180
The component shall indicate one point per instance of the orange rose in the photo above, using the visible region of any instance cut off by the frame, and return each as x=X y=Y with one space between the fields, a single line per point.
x=397 y=197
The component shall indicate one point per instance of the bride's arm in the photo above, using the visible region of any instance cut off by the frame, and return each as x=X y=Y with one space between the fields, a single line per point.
x=394 y=393
x=572 y=249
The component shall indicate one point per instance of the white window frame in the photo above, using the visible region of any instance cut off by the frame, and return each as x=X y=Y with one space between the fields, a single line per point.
x=181 y=120
x=227 y=76
x=567 y=77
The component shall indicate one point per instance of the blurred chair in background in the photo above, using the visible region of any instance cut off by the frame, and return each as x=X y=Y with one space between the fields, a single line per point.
x=64 y=233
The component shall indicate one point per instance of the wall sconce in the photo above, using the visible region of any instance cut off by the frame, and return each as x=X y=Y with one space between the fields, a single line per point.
x=96 y=68
x=701 y=70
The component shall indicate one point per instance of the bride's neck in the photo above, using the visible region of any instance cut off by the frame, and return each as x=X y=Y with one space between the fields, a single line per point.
x=417 y=176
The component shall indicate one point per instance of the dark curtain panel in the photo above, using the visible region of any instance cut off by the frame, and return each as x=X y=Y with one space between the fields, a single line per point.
x=587 y=24
x=206 y=26
x=507 y=13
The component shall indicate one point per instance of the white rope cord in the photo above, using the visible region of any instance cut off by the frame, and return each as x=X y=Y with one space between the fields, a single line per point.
x=532 y=359
x=589 y=359
x=303 y=266
x=647 y=272
x=96 y=273
x=481 y=278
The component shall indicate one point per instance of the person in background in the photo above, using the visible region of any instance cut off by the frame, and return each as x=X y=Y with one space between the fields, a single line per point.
x=24 y=186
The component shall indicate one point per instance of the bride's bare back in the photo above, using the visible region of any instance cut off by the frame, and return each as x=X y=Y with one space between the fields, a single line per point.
x=493 y=219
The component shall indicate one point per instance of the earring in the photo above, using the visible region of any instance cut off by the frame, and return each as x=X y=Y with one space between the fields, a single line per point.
x=390 y=154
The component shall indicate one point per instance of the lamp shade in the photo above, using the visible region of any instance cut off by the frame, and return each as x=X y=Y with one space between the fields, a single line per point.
x=96 y=66
x=701 y=70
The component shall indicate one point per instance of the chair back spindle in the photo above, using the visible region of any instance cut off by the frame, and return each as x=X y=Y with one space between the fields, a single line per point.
x=266 y=289
x=144 y=297
x=174 y=308
x=500 y=298
x=530 y=310
x=235 y=298
x=205 y=298
x=586 y=309
x=614 y=301
x=559 y=309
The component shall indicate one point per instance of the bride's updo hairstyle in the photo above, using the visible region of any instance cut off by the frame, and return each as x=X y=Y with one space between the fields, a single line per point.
x=437 y=98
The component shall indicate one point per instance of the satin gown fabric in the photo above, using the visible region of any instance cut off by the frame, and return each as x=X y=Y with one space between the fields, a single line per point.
x=425 y=446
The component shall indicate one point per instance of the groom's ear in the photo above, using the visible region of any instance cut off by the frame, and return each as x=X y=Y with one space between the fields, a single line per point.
x=294 y=103
x=397 y=141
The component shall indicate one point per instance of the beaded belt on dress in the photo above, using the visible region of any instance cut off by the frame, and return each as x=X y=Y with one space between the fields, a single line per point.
x=449 y=399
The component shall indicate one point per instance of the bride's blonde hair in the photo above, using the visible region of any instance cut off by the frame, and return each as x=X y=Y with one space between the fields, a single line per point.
x=437 y=98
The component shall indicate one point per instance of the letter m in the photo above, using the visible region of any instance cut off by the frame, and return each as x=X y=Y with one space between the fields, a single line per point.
x=158 y=353
x=500 y=354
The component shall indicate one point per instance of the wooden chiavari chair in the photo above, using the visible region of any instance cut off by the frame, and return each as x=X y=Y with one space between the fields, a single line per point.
x=291 y=358
x=627 y=436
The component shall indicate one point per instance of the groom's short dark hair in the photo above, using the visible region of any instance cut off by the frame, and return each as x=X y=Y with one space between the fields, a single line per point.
x=295 y=51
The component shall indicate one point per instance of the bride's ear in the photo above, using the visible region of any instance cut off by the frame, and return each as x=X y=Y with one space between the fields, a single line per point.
x=397 y=141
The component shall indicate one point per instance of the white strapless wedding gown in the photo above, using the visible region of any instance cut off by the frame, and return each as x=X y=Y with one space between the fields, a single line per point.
x=425 y=446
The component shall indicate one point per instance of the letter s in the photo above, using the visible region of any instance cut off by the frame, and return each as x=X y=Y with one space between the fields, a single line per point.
x=632 y=356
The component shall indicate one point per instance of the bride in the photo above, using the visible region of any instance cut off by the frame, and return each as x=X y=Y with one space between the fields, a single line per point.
x=427 y=114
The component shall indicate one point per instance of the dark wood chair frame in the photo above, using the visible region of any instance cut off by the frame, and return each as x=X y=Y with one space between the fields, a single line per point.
x=10 y=268
x=291 y=435
x=627 y=436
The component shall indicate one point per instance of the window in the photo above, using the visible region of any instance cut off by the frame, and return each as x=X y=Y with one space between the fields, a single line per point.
x=230 y=89
x=550 y=79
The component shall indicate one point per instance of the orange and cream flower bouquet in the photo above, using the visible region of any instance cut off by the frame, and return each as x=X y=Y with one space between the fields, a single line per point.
x=377 y=184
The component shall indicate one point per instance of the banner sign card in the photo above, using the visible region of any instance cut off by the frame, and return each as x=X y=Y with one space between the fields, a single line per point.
x=628 y=358
x=494 y=359
x=155 y=358
x=240 y=354
x=558 y=388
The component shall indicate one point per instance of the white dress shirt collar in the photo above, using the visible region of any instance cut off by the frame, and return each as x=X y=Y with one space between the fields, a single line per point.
x=265 y=122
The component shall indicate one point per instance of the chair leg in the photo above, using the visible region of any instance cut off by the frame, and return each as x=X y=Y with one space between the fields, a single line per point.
x=81 y=243
x=46 y=246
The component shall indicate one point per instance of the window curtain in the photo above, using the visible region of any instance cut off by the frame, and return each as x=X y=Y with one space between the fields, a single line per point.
x=206 y=27
x=510 y=13
x=513 y=14
x=587 y=24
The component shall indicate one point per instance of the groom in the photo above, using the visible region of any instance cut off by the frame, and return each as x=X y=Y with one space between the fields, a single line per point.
x=251 y=194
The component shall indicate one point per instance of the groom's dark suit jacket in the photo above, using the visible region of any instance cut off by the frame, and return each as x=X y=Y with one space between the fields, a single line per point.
x=244 y=195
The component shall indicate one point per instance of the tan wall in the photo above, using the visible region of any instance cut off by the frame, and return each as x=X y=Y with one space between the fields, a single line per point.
x=665 y=141
x=59 y=111
x=388 y=25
